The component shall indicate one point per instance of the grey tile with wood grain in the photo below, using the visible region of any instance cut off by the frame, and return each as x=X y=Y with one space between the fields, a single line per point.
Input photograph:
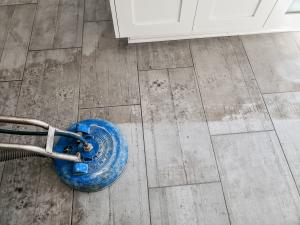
x=16 y=2
x=177 y=142
x=161 y=55
x=257 y=182
x=97 y=10
x=284 y=109
x=190 y=204
x=15 y=30
x=231 y=97
x=109 y=68
x=58 y=24
x=31 y=192
x=9 y=92
x=126 y=201
x=275 y=60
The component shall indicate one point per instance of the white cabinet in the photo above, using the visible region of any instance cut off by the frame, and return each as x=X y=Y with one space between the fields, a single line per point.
x=157 y=20
x=144 y=18
x=232 y=16
x=285 y=15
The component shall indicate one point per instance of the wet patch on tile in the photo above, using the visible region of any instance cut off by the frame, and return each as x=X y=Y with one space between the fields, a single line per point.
x=15 y=30
x=31 y=192
x=58 y=24
x=109 y=68
x=161 y=55
x=97 y=10
x=230 y=95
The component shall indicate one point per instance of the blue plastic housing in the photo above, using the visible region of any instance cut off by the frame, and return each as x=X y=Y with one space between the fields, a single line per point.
x=102 y=165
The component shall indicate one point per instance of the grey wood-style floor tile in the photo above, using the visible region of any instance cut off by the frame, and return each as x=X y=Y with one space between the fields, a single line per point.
x=31 y=192
x=15 y=29
x=177 y=141
x=16 y=2
x=257 y=183
x=126 y=201
x=109 y=68
x=9 y=92
x=97 y=10
x=230 y=95
x=161 y=55
x=285 y=112
x=58 y=24
x=275 y=60
x=190 y=204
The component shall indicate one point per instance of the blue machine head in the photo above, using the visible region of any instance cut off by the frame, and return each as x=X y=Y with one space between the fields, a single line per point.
x=103 y=160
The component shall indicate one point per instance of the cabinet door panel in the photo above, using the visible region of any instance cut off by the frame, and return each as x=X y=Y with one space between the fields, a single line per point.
x=285 y=15
x=215 y=16
x=138 y=18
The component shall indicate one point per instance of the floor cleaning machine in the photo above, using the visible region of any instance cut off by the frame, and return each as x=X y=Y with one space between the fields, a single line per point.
x=88 y=157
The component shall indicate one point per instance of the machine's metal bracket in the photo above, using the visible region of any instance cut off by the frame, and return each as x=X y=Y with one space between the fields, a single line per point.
x=48 y=151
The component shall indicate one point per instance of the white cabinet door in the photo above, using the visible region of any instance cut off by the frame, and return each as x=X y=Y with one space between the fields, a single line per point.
x=230 y=16
x=285 y=15
x=138 y=18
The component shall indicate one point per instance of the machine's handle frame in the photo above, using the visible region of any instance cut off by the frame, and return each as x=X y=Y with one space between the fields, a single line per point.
x=48 y=151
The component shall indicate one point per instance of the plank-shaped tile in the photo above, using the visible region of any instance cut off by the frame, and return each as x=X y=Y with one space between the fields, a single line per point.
x=9 y=92
x=230 y=95
x=58 y=24
x=126 y=201
x=258 y=186
x=16 y=2
x=275 y=60
x=285 y=112
x=14 y=39
x=97 y=10
x=31 y=192
x=193 y=132
x=109 y=68
x=190 y=204
x=6 y=13
x=176 y=135
x=161 y=55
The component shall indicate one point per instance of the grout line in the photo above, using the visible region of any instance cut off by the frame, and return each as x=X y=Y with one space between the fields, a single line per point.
x=167 y=68
x=109 y=106
x=49 y=49
x=96 y=21
x=279 y=92
x=188 y=184
x=24 y=68
x=177 y=127
x=20 y=4
x=142 y=122
x=57 y=22
x=210 y=136
x=246 y=132
x=287 y=162
x=7 y=31
x=79 y=51
x=7 y=81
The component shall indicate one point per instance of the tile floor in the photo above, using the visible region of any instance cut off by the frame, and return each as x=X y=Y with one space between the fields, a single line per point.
x=213 y=125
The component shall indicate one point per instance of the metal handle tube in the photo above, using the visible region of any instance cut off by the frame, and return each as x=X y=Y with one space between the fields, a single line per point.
x=24 y=121
x=41 y=151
